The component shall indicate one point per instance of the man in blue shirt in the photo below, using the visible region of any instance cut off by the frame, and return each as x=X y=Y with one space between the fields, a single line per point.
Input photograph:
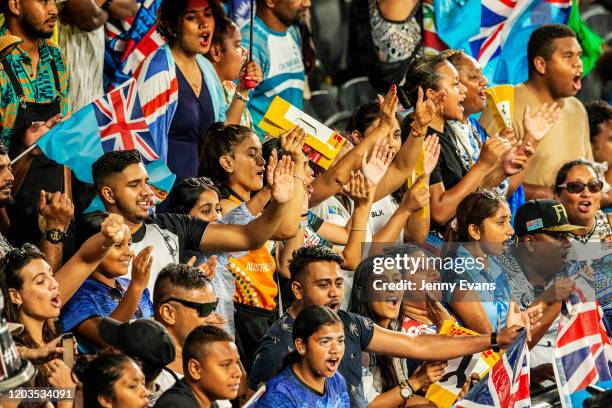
x=277 y=49
x=316 y=279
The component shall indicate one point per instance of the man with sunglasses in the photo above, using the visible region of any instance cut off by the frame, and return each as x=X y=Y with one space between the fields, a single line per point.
x=535 y=266
x=183 y=299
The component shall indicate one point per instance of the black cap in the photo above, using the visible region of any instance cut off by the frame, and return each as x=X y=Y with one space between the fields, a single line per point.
x=143 y=339
x=542 y=215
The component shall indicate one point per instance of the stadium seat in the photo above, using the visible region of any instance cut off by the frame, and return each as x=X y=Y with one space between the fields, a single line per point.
x=355 y=92
x=338 y=121
x=323 y=104
x=330 y=33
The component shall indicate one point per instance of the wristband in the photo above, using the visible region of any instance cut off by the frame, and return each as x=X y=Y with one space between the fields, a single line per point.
x=494 y=345
x=417 y=132
x=240 y=96
x=359 y=229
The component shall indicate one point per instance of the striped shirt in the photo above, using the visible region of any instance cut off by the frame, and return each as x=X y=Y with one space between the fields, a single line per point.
x=280 y=57
x=40 y=89
x=86 y=78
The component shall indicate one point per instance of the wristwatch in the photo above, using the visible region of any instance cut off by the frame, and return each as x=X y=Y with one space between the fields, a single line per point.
x=406 y=391
x=55 y=236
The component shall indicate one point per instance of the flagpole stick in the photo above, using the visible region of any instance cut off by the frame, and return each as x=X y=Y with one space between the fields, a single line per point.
x=28 y=150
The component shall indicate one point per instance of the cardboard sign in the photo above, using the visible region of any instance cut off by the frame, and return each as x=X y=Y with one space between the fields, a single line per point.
x=322 y=144
x=444 y=392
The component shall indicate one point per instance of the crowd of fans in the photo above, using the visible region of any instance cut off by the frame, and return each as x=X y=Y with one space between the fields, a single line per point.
x=259 y=267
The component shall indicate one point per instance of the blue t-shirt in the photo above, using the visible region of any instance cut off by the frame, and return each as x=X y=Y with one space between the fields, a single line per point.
x=95 y=299
x=286 y=390
x=280 y=57
x=278 y=342
x=494 y=301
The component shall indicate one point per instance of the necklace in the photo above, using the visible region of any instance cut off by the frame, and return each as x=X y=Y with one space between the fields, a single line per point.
x=187 y=73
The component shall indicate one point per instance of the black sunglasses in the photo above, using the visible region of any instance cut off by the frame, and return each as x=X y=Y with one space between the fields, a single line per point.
x=203 y=309
x=557 y=235
x=577 y=187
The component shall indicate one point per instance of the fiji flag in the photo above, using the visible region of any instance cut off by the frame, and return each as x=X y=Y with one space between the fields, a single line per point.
x=506 y=385
x=113 y=122
x=583 y=354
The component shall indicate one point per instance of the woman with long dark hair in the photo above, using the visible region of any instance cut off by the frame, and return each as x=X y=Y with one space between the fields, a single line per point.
x=111 y=380
x=308 y=375
x=179 y=76
x=34 y=298
x=482 y=229
x=388 y=381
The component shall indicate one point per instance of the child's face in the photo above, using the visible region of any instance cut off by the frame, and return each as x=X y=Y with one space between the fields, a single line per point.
x=233 y=55
x=221 y=371
x=207 y=207
x=324 y=350
x=117 y=261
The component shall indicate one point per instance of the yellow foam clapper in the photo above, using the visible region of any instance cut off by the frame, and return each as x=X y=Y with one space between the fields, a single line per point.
x=419 y=169
x=500 y=100
x=322 y=144
x=444 y=392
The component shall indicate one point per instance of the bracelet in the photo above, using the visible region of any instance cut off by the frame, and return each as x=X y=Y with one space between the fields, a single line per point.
x=494 y=345
x=359 y=229
x=301 y=179
x=240 y=96
x=418 y=133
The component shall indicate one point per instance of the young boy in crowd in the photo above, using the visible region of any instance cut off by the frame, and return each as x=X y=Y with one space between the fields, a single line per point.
x=107 y=293
x=211 y=364
x=555 y=72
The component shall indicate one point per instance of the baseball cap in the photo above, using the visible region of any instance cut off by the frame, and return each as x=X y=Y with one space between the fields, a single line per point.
x=8 y=43
x=542 y=215
x=143 y=339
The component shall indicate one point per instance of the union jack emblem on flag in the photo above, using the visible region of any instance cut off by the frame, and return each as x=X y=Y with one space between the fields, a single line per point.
x=506 y=385
x=121 y=122
x=583 y=353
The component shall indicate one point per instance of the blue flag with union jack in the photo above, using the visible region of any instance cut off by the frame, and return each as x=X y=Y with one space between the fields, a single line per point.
x=583 y=353
x=506 y=385
x=112 y=122
x=495 y=32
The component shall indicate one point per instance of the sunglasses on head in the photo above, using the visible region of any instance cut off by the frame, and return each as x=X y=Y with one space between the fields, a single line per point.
x=203 y=309
x=577 y=187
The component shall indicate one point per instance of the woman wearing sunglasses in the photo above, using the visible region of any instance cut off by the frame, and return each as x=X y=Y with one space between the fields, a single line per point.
x=107 y=293
x=579 y=189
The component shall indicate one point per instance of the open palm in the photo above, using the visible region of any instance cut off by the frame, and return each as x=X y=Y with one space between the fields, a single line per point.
x=375 y=167
x=538 y=124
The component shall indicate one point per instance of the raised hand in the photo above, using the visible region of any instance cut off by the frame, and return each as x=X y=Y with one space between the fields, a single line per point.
x=436 y=312
x=517 y=318
x=493 y=150
x=388 y=107
x=374 y=168
x=425 y=111
x=56 y=209
x=282 y=187
x=417 y=197
x=37 y=129
x=141 y=268
x=250 y=71
x=270 y=167
x=515 y=160
x=538 y=125
x=360 y=192
x=431 y=148
x=292 y=142
x=207 y=268
x=113 y=229
x=559 y=291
